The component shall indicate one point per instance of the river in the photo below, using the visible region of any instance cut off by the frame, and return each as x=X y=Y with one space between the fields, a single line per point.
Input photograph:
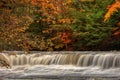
x=86 y=65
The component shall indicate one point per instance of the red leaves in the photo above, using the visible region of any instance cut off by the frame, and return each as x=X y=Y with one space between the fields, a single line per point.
x=116 y=30
x=118 y=24
x=65 y=38
x=117 y=33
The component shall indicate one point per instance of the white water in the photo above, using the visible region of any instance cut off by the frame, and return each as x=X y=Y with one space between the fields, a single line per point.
x=62 y=65
x=56 y=71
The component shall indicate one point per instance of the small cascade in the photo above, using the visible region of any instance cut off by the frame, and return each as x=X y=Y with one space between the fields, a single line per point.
x=104 y=61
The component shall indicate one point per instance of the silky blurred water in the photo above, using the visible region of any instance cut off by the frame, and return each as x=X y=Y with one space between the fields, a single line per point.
x=60 y=72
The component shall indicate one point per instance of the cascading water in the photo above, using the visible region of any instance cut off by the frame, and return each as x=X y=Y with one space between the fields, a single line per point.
x=104 y=61
x=73 y=64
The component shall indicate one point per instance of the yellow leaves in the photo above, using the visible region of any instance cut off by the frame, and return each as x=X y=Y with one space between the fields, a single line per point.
x=56 y=12
x=67 y=20
x=51 y=5
x=42 y=45
x=87 y=0
x=21 y=29
x=46 y=45
x=59 y=46
x=69 y=1
x=50 y=49
x=13 y=32
x=52 y=9
x=61 y=21
x=111 y=10
x=53 y=22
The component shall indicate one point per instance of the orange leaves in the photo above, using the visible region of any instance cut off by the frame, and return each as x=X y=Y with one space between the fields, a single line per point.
x=67 y=20
x=69 y=1
x=47 y=31
x=112 y=9
x=13 y=31
x=34 y=2
x=47 y=9
x=116 y=30
x=54 y=14
x=117 y=33
x=118 y=24
x=53 y=11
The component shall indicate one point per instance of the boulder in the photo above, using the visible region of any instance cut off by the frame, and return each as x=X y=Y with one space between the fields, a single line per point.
x=4 y=61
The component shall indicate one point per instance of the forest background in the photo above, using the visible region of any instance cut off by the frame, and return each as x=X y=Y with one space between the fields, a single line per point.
x=59 y=25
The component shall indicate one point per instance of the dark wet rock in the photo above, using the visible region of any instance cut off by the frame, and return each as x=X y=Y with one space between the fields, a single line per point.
x=4 y=61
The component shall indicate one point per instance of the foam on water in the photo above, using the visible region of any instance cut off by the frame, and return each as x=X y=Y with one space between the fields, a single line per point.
x=51 y=71
x=61 y=65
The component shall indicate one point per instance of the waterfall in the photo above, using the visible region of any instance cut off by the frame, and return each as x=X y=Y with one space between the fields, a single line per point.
x=104 y=61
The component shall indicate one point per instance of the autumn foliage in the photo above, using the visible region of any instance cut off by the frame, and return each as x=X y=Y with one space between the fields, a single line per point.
x=53 y=11
x=112 y=9
x=54 y=25
x=53 y=14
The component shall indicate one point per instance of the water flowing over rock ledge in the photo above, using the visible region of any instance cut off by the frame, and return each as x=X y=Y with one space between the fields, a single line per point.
x=103 y=60
x=62 y=65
